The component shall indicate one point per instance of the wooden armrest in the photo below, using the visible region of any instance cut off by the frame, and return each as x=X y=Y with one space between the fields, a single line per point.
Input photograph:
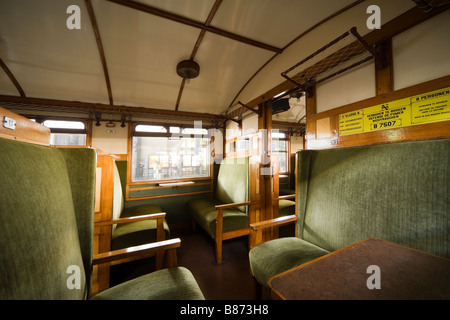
x=288 y=196
x=273 y=222
x=131 y=219
x=233 y=205
x=138 y=252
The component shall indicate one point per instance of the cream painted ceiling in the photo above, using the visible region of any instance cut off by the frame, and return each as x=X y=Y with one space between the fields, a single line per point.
x=141 y=49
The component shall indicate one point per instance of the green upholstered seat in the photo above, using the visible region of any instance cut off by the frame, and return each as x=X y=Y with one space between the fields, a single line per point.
x=166 y=284
x=231 y=187
x=132 y=233
x=397 y=192
x=286 y=191
x=203 y=211
x=286 y=208
x=273 y=257
x=136 y=233
x=47 y=216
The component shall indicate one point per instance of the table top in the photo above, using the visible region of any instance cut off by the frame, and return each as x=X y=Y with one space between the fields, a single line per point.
x=369 y=269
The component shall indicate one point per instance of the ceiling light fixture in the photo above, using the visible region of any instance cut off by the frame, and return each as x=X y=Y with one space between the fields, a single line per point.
x=188 y=69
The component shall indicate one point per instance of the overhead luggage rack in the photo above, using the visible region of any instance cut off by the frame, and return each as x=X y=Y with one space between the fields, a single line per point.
x=342 y=54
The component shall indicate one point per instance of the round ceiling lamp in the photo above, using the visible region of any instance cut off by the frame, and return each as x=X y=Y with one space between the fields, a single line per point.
x=188 y=69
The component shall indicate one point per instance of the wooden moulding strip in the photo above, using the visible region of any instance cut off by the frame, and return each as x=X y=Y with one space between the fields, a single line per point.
x=25 y=129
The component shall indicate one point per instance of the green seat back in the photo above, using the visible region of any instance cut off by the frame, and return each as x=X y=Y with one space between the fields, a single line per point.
x=398 y=192
x=46 y=213
x=232 y=181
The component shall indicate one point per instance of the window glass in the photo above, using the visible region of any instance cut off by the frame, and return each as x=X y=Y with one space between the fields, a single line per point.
x=67 y=133
x=150 y=128
x=280 y=149
x=67 y=139
x=164 y=158
x=61 y=124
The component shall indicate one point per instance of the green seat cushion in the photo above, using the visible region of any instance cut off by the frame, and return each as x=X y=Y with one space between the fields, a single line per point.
x=166 y=284
x=286 y=208
x=203 y=211
x=136 y=233
x=273 y=257
x=140 y=210
x=286 y=191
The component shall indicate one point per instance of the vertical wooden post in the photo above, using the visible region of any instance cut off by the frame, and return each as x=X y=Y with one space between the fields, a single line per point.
x=269 y=190
x=219 y=235
x=311 y=109
x=103 y=212
x=384 y=73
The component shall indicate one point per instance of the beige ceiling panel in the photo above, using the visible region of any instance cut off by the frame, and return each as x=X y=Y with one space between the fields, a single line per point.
x=225 y=66
x=48 y=59
x=142 y=52
x=6 y=85
x=274 y=22
x=197 y=10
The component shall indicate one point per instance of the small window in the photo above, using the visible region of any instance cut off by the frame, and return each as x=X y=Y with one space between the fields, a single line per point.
x=66 y=132
x=150 y=128
x=280 y=148
x=67 y=139
x=194 y=131
x=60 y=124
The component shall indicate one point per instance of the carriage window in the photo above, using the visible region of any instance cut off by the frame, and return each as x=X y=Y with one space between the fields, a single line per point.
x=67 y=133
x=177 y=154
x=280 y=149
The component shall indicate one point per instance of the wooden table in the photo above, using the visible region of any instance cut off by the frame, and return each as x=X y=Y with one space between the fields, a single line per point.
x=403 y=273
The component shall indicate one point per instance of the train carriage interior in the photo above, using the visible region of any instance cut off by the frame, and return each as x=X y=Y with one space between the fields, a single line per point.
x=224 y=149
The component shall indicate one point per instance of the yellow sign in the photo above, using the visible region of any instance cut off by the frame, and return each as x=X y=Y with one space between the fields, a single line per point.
x=424 y=108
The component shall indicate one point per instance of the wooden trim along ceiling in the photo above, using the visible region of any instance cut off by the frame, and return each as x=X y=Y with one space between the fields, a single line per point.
x=100 y=48
x=197 y=45
x=12 y=78
x=203 y=26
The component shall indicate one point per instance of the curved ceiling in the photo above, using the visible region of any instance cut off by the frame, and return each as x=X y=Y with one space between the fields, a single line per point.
x=125 y=52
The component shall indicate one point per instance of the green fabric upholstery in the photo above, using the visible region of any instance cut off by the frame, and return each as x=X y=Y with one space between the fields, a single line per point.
x=203 y=211
x=286 y=207
x=41 y=216
x=397 y=192
x=232 y=181
x=166 y=284
x=136 y=233
x=231 y=187
x=81 y=167
x=286 y=192
x=47 y=215
x=275 y=256
x=133 y=233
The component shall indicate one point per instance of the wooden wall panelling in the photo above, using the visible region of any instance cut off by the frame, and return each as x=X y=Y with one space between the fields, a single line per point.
x=103 y=212
x=269 y=173
x=22 y=129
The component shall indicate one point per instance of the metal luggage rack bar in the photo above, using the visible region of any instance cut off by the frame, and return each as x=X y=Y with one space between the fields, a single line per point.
x=328 y=62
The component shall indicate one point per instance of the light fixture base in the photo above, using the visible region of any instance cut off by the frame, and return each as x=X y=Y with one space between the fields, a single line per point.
x=188 y=69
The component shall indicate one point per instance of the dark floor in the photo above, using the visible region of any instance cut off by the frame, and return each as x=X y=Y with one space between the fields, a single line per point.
x=230 y=280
